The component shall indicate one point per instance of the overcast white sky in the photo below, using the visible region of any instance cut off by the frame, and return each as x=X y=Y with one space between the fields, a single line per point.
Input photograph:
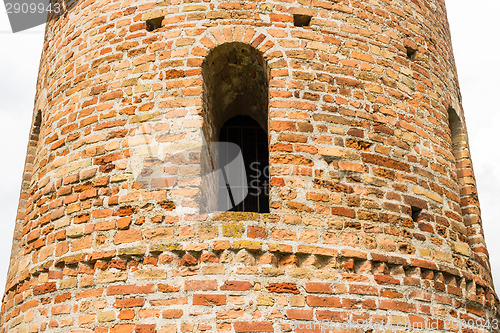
x=474 y=30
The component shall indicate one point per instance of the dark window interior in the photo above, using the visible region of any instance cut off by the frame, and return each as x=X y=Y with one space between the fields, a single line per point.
x=252 y=140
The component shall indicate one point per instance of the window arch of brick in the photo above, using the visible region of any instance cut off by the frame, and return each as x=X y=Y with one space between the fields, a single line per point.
x=460 y=165
x=457 y=135
x=37 y=123
x=458 y=143
x=235 y=109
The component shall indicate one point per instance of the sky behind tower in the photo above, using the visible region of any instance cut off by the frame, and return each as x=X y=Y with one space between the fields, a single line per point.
x=473 y=27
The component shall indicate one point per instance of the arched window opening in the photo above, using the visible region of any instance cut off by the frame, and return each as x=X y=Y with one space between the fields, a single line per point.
x=35 y=131
x=33 y=146
x=37 y=123
x=458 y=141
x=249 y=136
x=235 y=110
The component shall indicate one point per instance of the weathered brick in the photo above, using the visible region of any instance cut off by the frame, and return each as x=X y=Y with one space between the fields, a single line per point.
x=199 y=299
x=129 y=303
x=236 y=285
x=360 y=110
x=240 y=326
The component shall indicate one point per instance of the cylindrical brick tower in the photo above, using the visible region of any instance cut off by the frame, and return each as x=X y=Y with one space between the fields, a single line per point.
x=366 y=209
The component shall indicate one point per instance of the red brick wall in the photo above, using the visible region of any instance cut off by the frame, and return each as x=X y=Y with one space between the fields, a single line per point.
x=358 y=136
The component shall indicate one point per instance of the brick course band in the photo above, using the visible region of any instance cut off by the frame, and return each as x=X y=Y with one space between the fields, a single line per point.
x=373 y=204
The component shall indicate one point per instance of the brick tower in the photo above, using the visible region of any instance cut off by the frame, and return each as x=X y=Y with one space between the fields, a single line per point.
x=365 y=207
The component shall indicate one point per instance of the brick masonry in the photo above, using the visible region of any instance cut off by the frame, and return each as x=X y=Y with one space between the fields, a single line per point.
x=360 y=137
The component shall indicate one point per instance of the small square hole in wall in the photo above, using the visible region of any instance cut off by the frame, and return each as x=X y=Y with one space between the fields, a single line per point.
x=154 y=23
x=415 y=213
x=300 y=20
x=411 y=53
